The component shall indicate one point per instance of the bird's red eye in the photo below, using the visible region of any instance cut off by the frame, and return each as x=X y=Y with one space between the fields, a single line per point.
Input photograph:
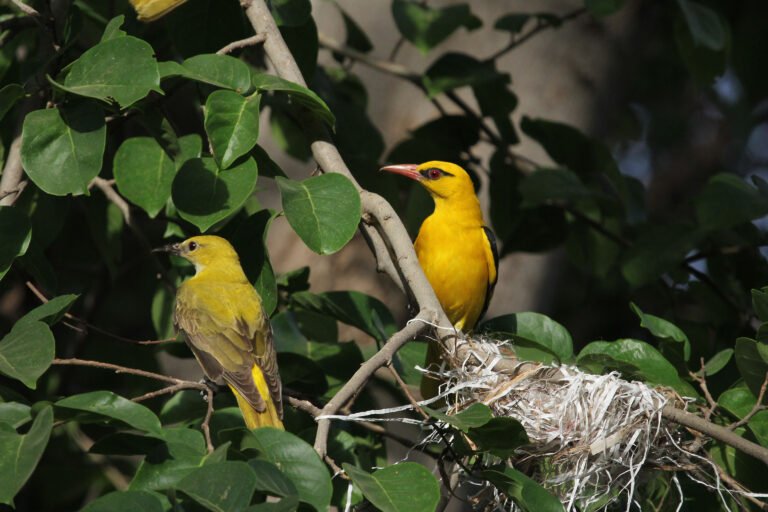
x=434 y=174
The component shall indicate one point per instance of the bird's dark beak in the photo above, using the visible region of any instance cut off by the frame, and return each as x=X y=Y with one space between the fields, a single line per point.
x=407 y=170
x=170 y=248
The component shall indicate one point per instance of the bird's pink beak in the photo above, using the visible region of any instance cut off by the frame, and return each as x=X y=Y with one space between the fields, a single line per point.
x=407 y=170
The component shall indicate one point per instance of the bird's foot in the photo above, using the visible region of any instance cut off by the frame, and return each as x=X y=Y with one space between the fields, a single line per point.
x=210 y=384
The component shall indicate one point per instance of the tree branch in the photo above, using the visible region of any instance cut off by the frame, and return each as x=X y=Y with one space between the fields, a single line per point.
x=11 y=184
x=243 y=43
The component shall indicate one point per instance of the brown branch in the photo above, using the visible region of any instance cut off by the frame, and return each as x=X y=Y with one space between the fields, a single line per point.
x=406 y=391
x=540 y=26
x=89 y=326
x=242 y=43
x=177 y=385
x=110 y=193
x=11 y=181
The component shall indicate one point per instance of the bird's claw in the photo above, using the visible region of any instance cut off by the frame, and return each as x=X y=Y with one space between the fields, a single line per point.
x=210 y=384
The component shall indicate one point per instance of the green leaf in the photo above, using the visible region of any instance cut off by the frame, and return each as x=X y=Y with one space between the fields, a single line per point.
x=15 y=235
x=112 y=30
x=356 y=36
x=121 y=70
x=271 y=480
x=706 y=26
x=9 y=95
x=232 y=125
x=298 y=93
x=126 y=500
x=62 y=148
x=526 y=493
x=367 y=313
x=718 y=361
x=15 y=414
x=19 y=454
x=324 y=210
x=535 y=328
x=220 y=71
x=760 y=303
x=656 y=250
x=144 y=173
x=403 y=487
x=727 y=200
x=499 y=436
x=602 y=8
x=643 y=359
x=182 y=451
x=547 y=185
x=205 y=194
x=27 y=351
x=106 y=403
x=740 y=401
x=497 y=101
x=162 y=311
x=476 y=415
x=290 y=13
x=297 y=460
x=52 y=311
x=223 y=487
x=752 y=361
x=250 y=241
x=454 y=70
x=663 y=329
x=427 y=27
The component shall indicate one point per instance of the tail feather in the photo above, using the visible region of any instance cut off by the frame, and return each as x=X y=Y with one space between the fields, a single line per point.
x=270 y=417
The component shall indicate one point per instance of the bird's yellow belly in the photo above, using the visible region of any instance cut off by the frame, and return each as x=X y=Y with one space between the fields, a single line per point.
x=456 y=266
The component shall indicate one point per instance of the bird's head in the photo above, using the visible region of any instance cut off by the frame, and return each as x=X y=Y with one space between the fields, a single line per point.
x=441 y=179
x=204 y=251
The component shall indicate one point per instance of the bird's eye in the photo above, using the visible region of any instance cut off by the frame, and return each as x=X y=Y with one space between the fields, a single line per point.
x=434 y=174
x=192 y=246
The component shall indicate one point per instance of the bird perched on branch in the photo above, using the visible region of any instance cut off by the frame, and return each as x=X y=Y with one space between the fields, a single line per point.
x=456 y=250
x=224 y=324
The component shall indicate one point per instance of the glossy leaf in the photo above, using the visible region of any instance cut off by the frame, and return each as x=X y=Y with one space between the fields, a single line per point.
x=663 y=329
x=740 y=401
x=476 y=415
x=112 y=30
x=426 y=27
x=643 y=359
x=291 y=13
x=526 y=493
x=250 y=241
x=223 y=487
x=752 y=361
x=300 y=94
x=62 y=148
x=181 y=452
x=26 y=352
x=271 y=480
x=324 y=210
x=15 y=235
x=144 y=173
x=366 y=313
x=232 y=125
x=760 y=304
x=19 y=454
x=656 y=250
x=52 y=311
x=403 y=487
x=205 y=194
x=454 y=70
x=106 y=403
x=705 y=24
x=297 y=460
x=218 y=70
x=727 y=200
x=499 y=436
x=547 y=185
x=15 y=414
x=718 y=361
x=536 y=328
x=126 y=500
x=121 y=70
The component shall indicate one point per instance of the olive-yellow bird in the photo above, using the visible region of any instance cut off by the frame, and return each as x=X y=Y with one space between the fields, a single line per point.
x=150 y=10
x=224 y=324
x=455 y=248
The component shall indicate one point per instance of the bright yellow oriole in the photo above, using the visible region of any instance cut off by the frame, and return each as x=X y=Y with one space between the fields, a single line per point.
x=224 y=324
x=456 y=250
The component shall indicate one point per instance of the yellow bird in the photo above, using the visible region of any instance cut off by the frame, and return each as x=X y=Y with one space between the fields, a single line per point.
x=456 y=250
x=224 y=324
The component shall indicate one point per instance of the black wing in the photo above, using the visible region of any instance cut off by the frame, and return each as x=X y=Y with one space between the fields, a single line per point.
x=492 y=283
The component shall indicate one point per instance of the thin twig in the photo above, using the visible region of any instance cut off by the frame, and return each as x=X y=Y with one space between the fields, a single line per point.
x=406 y=391
x=26 y=9
x=541 y=24
x=755 y=409
x=242 y=43
x=177 y=384
x=94 y=328
x=701 y=379
x=110 y=193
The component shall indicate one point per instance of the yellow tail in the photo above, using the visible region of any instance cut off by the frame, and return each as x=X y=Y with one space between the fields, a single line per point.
x=430 y=385
x=254 y=419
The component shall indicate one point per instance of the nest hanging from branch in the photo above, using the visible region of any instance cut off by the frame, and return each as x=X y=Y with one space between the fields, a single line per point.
x=592 y=437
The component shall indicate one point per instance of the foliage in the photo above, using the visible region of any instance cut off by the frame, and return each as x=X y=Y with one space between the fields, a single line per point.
x=134 y=135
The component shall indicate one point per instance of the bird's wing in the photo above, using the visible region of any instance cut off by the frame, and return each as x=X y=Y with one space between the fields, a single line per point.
x=224 y=348
x=265 y=356
x=492 y=257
